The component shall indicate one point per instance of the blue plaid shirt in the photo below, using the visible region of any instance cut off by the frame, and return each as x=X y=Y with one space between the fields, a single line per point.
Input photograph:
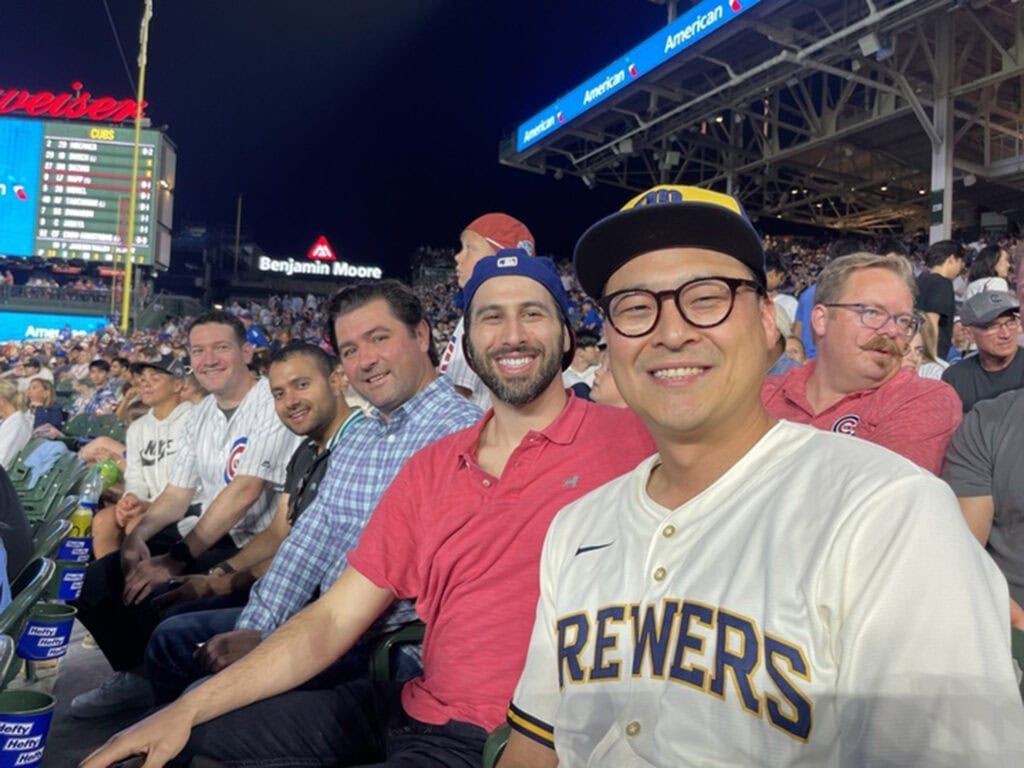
x=362 y=466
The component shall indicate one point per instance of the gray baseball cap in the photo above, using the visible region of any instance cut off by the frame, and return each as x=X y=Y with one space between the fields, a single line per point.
x=982 y=308
x=165 y=363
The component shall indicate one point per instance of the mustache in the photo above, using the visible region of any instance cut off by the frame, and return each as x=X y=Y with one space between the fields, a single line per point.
x=885 y=344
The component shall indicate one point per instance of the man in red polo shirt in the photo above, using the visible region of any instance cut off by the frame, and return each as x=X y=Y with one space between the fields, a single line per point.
x=862 y=320
x=460 y=529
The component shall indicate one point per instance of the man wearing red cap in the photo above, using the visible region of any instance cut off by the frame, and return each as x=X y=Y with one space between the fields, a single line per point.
x=484 y=236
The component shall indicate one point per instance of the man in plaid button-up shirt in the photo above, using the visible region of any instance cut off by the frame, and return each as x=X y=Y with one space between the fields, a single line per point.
x=410 y=407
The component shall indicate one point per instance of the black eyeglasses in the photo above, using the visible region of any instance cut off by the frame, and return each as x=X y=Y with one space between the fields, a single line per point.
x=703 y=303
x=875 y=318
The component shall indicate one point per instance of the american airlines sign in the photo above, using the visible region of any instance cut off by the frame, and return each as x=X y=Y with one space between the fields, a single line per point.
x=693 y=26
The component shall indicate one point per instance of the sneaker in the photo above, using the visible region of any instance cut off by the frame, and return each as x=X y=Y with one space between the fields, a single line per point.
x=89 y=642
x=122 y=691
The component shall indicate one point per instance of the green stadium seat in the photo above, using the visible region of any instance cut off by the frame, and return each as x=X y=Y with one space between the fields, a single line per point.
x=19 y=471
x=6 y=660
x=26 y=590
x=110 y=426
x=1017 y=644
x=50 y=536
x=495 y=745
x=383 y=649
x=82 y=425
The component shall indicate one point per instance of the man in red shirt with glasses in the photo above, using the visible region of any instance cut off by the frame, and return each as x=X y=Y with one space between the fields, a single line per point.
x=862 y=320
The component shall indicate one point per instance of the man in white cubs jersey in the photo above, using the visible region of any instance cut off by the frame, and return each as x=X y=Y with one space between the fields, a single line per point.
x=757 y=592
x=485 y=236
x=231 y=460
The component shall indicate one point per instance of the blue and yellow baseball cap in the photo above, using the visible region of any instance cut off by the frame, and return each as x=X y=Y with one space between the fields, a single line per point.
x=667 y=216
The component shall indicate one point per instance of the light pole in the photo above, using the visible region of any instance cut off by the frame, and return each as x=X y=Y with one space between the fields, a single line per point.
x=126 y=291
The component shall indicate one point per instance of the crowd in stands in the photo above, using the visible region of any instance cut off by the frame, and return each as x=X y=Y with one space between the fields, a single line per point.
x=46 y=286
x=280 y=451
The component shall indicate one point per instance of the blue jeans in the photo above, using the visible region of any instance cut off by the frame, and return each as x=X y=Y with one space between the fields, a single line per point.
x=361 y=723
x=171 y=668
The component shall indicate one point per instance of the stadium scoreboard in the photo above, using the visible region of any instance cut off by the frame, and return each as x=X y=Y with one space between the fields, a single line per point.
x=65 y=191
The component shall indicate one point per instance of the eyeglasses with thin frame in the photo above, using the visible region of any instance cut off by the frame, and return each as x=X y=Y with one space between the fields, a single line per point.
x=704 y=303
x=997 y=326
x=875 y=317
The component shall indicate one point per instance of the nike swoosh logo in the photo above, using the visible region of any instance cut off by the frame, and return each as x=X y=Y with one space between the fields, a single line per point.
x=581 y=550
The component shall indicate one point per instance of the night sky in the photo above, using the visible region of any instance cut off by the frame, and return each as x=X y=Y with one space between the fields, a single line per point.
x=375 y=123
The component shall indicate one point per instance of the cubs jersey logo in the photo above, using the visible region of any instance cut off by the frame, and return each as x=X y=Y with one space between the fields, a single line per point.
x=235 y=458
x=846 y=425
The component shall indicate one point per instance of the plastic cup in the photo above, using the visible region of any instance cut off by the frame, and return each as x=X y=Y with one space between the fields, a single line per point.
x=24 y=723
x=67 y=582
x=47 y=633
x=75 y=549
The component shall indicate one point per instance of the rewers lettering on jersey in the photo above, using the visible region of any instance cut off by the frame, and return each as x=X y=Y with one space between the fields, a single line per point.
x=682 y=641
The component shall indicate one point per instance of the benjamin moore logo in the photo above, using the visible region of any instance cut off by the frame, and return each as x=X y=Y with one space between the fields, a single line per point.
x=321 y=250
x=235 y=458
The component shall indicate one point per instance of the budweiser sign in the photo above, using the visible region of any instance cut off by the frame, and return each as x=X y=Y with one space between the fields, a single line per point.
x=79 y=105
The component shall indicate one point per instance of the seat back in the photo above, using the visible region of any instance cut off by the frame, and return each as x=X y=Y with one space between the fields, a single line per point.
x=6 y=659
x=26 y=590
x=383 y=649
x=50 y=536
x=495 y=745
x=82 y=425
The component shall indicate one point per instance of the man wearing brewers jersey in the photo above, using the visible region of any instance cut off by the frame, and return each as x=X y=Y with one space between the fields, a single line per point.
x=758 y=592
x=231 y=462
x=479 y=502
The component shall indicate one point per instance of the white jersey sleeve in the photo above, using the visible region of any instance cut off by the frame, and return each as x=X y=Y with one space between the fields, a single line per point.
x=456 y=368
x=536 y=699
x=133 y=482
x=185 y=472
x=923 y=653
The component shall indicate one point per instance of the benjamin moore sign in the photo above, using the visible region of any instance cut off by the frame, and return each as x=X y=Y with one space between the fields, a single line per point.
x=292 y=267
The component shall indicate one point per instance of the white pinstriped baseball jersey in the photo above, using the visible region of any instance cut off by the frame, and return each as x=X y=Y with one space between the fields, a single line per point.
x=455 y=366
x=822 y=603
x=212 y=450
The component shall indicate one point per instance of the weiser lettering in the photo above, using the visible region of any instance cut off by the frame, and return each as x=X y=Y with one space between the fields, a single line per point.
x=73 y=106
